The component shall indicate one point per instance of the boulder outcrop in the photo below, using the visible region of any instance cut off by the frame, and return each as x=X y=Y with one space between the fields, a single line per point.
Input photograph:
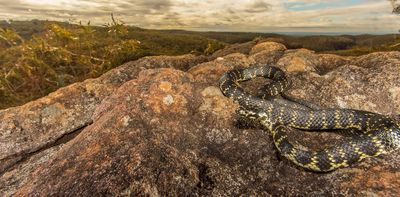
x=160 y=126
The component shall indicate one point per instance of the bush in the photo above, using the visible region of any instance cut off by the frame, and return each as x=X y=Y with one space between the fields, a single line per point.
x=58 y=57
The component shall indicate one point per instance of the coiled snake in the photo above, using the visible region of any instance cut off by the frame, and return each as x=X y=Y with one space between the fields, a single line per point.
x=376 y=134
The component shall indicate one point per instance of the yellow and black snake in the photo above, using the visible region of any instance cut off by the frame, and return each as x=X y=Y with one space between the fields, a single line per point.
x=376 y=134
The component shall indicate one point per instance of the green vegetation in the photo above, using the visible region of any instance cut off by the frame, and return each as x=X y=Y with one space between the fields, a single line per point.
x=370 y=45
x=38 y=57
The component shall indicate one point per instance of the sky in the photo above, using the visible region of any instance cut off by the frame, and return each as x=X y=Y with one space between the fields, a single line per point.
x=362 y=16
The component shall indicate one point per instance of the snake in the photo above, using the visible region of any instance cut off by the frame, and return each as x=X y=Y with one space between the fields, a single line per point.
x=373 y=134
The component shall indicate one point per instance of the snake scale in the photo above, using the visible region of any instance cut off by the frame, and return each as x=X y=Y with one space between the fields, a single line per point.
x=375 y=134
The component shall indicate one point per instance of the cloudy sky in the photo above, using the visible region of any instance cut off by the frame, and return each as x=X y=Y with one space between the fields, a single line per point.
x=367 y=16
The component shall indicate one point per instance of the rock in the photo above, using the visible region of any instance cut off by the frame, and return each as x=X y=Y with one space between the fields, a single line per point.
x=29 y=128
x=267 y=46
x=267 y=53
x=376 y=59
x=299 y=60
x=162 y=131
x=213 y=70
x=18 y=175
x=373 y=88
x=328 y=62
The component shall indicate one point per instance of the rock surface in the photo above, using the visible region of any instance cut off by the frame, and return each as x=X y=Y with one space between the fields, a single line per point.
x=160 y=126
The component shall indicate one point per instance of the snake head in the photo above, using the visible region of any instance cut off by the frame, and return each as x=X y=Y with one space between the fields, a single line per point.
x=258 y=115
x=246 y=113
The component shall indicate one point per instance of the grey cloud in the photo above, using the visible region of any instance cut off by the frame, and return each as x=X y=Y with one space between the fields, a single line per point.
x=132 y=10
x=396 y=10
x=258 y=6
x=173 y=19
x=156 y=4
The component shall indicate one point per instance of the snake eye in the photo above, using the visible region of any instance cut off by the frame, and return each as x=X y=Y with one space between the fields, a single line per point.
x=241 y=111
x=246 y=113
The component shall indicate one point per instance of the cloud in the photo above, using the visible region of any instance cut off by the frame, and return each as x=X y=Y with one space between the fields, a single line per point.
x=258 y=6
x=233 y=15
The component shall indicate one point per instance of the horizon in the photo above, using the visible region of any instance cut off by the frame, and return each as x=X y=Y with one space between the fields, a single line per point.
x=259 y=16
x=279 y=33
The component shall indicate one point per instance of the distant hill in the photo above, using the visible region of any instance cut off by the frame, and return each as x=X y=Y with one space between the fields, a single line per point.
x=319 y=43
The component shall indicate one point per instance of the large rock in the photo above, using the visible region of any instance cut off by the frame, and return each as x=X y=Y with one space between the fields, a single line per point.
x=171 y=132
x=28 y=130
